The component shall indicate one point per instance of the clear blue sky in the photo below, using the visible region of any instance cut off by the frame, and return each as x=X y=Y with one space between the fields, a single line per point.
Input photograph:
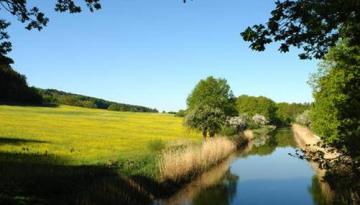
x=153 y=53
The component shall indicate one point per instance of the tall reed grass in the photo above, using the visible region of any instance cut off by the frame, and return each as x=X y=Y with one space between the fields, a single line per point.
x=178 y=164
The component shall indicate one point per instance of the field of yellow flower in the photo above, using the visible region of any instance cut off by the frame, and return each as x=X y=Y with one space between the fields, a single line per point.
x=86 y=136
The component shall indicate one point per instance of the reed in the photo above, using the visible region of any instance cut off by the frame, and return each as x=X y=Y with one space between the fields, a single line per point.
x=179 y=164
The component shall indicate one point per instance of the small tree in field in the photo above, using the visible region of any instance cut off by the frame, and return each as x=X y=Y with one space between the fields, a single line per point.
x=208 y=105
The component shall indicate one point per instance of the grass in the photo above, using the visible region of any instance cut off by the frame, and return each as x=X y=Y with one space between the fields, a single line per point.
x=71 y=155
x=87 y=136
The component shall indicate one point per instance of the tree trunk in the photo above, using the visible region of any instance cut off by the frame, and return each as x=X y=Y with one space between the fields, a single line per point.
x=212 y=133
x=204 y=133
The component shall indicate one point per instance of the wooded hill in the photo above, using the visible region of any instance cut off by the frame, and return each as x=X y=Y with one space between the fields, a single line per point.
x=52 y=96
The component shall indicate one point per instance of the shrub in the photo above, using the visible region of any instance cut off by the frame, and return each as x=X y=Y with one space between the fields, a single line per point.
x=304 y=118
x=260 y=120
x=228 y=131
x=156 y=145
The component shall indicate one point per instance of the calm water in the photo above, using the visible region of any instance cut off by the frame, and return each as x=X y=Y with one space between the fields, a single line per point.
x=263 y=173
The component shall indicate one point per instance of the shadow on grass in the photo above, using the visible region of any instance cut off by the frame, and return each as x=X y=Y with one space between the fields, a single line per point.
x=45 y=179
x=18 y=141
x=28 y=104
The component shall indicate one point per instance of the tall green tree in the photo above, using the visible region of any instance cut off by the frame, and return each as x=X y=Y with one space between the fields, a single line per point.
x=209 y=104
x=335 y=115
x=313 y=25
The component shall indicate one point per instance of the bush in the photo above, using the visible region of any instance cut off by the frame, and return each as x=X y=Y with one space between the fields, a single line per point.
x=228 y=131
x=156 y=145
x=181 y=113
x=259 y=120
x=304 y=118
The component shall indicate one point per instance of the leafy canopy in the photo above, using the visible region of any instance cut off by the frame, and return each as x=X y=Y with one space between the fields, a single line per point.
x=257 y=105
x=209 y=104
x=335 y=115
x=313 y=25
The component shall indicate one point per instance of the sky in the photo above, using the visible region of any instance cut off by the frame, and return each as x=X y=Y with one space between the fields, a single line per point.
x=153 y=53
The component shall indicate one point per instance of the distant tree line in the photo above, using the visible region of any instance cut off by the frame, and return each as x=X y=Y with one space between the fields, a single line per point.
x=52 y=96
x=15 y=90
x=280 y=114
x=212 y=108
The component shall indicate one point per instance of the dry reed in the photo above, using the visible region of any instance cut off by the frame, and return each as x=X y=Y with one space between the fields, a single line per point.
x=192 y=160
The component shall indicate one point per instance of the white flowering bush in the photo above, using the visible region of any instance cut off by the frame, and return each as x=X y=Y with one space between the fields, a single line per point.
x=238 y=122
x=304 y=118
x=260 y=119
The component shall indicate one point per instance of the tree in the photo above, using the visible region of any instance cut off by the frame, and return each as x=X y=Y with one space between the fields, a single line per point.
x=335 y=115
x=33 y=17
x=288 y=112
x=14 y=88
x=314 y=25
x=209 y=104
x=257 y=105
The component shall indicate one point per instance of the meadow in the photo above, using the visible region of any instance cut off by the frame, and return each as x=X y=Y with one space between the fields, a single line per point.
x=82 y=136
x=73 y=155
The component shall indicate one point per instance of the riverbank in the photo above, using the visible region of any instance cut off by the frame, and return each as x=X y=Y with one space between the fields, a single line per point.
x=340 y=180
x=307 y=140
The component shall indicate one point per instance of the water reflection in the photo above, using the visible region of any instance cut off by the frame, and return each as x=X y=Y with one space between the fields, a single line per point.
x=222 y=193
x=321 y=195
x=262 y=173
x=218 y=180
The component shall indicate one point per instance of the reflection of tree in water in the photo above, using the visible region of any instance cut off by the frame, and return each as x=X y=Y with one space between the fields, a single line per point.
x=219 y=194
x=280 y=138
x=317 y=193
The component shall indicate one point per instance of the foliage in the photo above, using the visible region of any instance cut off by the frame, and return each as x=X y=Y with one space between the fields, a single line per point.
x=287 y=112
x=14 y=89
x=206 y=119
x=33 y=17
x=238 y=122
x=335 y=114
x=209 y=104
x=257 y=105
x=304 y=118
x=314 y=25
x=228 y=131
x=52 y=96
x=214 y=93
x=156 y=145
x=260 y=120
x=181 y=113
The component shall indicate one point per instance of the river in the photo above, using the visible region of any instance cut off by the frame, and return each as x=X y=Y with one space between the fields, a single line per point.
x=261 y=173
